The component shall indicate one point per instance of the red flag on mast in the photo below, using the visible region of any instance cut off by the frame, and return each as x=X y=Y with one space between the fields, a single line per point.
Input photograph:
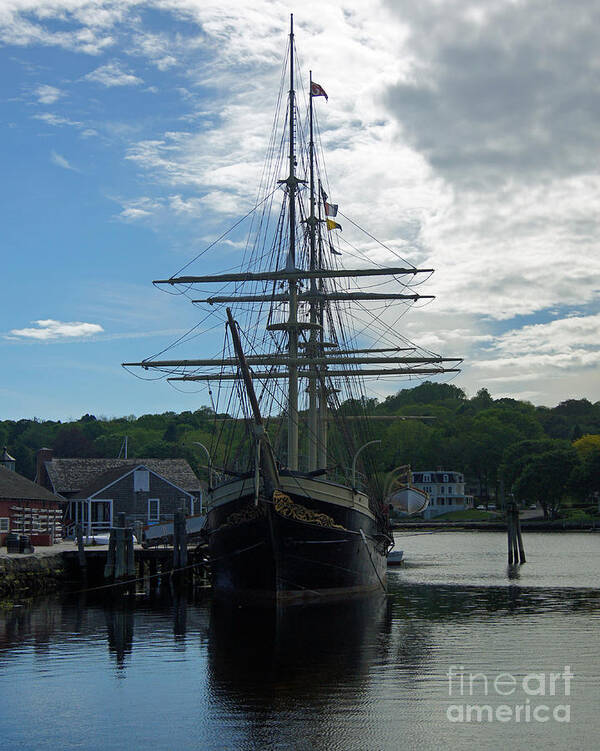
x=317 y=90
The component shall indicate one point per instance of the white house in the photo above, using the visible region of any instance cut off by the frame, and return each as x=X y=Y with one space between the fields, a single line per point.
x=446 y=490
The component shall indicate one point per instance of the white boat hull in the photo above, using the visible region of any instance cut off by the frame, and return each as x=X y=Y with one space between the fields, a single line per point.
x=409 y=500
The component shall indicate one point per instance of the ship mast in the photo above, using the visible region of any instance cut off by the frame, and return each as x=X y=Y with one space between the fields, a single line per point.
x=292 y=183
x=313 y=422
x=323 y=393
x=316 y=360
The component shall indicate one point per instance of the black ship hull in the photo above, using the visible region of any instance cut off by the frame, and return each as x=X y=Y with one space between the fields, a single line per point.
x=296 y=550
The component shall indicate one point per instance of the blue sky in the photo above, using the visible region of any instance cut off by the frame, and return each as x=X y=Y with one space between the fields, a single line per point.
x=133 y=132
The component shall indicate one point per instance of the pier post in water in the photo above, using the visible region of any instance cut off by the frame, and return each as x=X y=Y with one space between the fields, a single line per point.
x=109 y=566
x=81 y=552
x=120 y=559
x=120 y=550
x=519 y=536
x=516 y=549
x=179 y=544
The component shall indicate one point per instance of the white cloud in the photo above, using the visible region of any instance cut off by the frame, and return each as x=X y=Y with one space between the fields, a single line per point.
x=562 y=343
x=543 y=362
x=139 y=208
x=185 y=206
x=158 y=48
x=133 y=213
x=49 y=329
x=57 y=120
x=22 y=23
x=48 y=94
x=60 y=161
x=462 y=134
x=113 y=74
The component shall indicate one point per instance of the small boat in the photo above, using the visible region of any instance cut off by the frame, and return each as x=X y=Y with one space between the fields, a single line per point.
x=395 y=558
x=409 y=500
x=402 y=495
x=296 y=507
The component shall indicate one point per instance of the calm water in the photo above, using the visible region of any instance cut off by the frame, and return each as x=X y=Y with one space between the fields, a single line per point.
x=174 y=674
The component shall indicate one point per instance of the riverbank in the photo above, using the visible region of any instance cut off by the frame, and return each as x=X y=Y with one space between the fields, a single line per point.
x=499 y=525
x=24 y=575
x=59 y=568
x=53 y=568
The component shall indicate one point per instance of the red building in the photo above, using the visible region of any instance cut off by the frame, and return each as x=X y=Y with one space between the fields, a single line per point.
x=28 y=508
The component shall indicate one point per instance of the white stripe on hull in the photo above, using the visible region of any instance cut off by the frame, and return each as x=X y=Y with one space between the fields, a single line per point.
x=304 y=487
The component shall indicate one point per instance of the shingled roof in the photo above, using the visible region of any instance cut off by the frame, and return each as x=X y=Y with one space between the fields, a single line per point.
x=70 y=476
x=108 y=478
x=15 y=487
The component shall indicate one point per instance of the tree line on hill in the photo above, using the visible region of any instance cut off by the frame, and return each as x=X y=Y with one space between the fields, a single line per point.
x=540 y=454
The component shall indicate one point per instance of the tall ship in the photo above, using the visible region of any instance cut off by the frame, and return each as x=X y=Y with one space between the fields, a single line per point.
x=297 y=505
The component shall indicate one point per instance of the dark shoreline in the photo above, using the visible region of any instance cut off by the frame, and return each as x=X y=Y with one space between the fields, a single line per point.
x=24 y=576
x=557 y=525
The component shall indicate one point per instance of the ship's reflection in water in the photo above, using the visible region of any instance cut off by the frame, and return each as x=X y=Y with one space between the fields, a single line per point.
x=174 y=673
x=293 y=655
x=304 y=678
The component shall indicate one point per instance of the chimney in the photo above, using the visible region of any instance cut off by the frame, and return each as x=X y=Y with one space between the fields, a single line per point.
x=41 y=476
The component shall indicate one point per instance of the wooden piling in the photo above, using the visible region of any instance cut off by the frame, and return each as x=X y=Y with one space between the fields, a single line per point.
x=514 y=536
x=120 y=559
x=180 y=556
x=109 y=566
x=81 y=552
x=509 y=535
x=521 y=547
x=120 y=551
x=152 y=573
x=516 y=549
x=130 y=553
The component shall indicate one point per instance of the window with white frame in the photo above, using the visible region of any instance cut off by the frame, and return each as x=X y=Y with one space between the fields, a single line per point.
x=153 y=509
x=141 y=481
x=4 y=524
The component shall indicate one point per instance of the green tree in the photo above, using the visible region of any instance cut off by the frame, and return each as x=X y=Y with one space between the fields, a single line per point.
x=520 y=453
x=545 y=478
x=170 y=434
x=71 y=441
x=587 y=444
x=587 y=479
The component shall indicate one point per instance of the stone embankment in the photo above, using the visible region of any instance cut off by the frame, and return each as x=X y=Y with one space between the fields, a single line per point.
x=27 y=575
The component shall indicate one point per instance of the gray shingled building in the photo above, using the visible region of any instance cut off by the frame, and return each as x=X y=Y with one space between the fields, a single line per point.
x=146 y=490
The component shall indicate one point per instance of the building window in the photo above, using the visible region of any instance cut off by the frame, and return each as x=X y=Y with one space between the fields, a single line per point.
x=4 y=524
x=445 y=478
x=153 y=509
x=426 y=478
x=141 y=481
x=449 y=489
